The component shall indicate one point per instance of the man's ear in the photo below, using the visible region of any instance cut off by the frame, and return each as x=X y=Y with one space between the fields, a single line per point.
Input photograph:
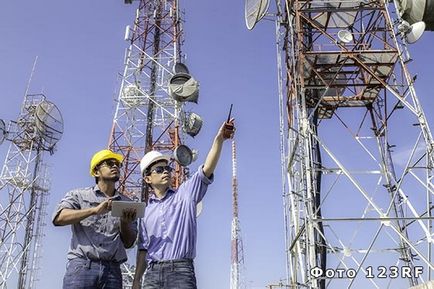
x=148 y=179
x=96 y=172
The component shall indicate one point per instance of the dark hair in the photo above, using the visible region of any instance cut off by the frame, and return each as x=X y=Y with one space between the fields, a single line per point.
x=95 y=169
x=146 y=188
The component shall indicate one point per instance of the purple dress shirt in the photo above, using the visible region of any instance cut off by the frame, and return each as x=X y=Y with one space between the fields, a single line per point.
x=168 y=230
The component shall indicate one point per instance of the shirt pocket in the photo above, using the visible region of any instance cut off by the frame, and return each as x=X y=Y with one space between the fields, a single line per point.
x=93 y=220
x=173 y=210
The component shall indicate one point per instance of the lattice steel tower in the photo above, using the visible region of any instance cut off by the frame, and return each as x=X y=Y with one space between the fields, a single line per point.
x=154 y=88
x=357 y=151
x=24 y=187
x=237 y=251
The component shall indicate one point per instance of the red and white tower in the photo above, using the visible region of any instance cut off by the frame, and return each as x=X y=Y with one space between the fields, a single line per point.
x=357 y=152
x=150 y=108
x=237 y=254
x=146 y=116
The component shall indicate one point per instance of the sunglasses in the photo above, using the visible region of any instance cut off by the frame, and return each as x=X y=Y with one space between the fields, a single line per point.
x=160 y=170
x=111 y=163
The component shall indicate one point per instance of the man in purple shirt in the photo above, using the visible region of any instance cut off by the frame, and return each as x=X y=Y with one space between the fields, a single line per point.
x=167 y=237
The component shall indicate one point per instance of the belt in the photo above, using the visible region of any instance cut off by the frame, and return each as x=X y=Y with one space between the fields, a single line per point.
x=170 y=262
x=88 y=262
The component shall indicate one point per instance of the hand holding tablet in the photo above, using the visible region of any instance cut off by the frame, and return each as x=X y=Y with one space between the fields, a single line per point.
x=119 y=206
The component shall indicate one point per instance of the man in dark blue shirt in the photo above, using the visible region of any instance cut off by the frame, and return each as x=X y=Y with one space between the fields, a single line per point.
x=98 y=239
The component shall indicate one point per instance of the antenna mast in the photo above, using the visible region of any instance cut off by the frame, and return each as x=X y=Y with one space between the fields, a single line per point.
x=237 y=252
x=357 y=151
x=146 y=117
x=150 y=108
x=25 y=186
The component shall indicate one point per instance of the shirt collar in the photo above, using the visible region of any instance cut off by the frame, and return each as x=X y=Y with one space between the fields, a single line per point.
x=116 y=195
x=154 y=198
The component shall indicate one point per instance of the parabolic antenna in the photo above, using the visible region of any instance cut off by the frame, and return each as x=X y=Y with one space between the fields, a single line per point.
x=416 y=31
x=49 y=123
x=183 y=155
x=3 y=131
x=255 y=10
x=345 y=36
x=183 y=87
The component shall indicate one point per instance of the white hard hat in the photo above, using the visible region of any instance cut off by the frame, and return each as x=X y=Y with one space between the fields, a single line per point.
x=150 y=158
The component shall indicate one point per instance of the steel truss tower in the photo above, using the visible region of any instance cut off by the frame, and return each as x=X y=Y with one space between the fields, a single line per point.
x=357 y=151
x=147 y=117
x=24 y=187
x=237 y=252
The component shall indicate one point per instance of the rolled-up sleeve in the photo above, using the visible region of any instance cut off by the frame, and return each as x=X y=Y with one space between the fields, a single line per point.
x=196 y=186
x=70 y=201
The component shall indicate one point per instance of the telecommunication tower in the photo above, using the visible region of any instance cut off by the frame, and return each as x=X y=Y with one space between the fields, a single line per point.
x=237 y=251
x=356 y=148
x=155 y=87
x=24 y=187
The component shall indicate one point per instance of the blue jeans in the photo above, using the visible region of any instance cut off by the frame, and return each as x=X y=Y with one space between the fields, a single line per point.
x=173 y=274
x=87 y=274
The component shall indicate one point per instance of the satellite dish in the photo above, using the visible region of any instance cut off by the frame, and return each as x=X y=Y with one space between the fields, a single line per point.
x=414 y=11
x=199 y=208
x=345 y=36
x=255 y=10
x=415 y=32
x=183 y=155
x=3 y=132
x=183 y=87
x=49 y=124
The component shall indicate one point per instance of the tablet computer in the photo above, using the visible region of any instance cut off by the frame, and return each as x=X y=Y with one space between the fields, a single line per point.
x=119 y=206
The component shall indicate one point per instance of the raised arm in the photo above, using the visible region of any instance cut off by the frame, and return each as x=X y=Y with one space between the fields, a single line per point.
x=225 y=132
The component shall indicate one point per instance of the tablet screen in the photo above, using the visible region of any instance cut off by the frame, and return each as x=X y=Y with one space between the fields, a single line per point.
x=119 y=206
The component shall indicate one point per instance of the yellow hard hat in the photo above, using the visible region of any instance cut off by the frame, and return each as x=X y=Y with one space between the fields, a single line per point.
x=102 y=156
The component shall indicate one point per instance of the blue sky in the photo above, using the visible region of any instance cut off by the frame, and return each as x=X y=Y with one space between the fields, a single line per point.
x=80 y=48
